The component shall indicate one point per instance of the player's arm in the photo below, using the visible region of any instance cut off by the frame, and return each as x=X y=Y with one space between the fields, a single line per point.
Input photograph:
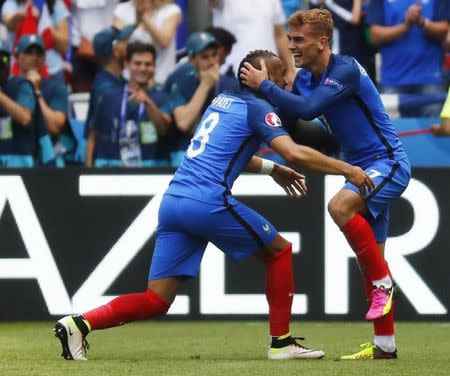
x=290 y=180
x=342 y=83
x=310 y=159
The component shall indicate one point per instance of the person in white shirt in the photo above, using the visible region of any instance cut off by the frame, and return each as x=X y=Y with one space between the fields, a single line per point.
x=157 y=22
x=257 y=25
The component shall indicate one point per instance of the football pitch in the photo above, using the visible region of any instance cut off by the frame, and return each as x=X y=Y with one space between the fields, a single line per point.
x=220 y=348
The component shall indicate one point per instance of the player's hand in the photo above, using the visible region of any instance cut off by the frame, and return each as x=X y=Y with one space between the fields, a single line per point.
x=413 y=14
x=291 y=181
x=253 y=77
x=359 y=178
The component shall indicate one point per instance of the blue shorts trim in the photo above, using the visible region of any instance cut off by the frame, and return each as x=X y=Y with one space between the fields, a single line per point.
x=185 y=226
x=391 y=179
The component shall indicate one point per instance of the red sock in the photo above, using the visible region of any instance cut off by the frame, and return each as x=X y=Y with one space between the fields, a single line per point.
x=280 y=291
x=360 y=236
x=384 y=326
x=126 y=308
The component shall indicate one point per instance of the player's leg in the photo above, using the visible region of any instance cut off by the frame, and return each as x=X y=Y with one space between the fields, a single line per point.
x=72 y=330
x=176 y=256
x=383 y=345
x=348 y=210
x=240 y=232
x=279 y=288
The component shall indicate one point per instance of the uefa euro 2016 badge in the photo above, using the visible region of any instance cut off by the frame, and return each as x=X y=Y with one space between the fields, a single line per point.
x=272 y=120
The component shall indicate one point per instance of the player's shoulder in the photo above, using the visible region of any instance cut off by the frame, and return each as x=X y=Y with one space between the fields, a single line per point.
x=255 y=101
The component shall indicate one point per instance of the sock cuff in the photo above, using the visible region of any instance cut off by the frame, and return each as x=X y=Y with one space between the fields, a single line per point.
x=354 y=224
x=152 y=295
x=288 y=249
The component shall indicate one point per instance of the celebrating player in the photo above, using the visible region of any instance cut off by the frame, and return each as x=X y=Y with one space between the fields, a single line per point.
x=338 y=88
x=229 y=134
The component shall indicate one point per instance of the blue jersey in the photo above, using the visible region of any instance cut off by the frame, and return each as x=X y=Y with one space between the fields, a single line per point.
x=351 y=106
x=227 y=137
x=182 y=84
x=414 y=58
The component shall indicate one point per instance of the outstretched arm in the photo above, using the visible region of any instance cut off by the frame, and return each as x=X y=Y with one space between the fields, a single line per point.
x=310 y=159
x=290 y=180
x=295 y=105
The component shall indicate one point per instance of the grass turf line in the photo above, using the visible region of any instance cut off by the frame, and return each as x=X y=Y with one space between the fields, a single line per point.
x=219 y=348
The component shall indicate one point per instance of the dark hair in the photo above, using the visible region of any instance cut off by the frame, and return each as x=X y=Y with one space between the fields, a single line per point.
x=139 y=48
x=223 y=37
x=253 y=58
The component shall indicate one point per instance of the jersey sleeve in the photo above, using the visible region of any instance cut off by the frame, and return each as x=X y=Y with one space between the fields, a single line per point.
x=264 y=122
x=374 y=11
x=445 y=114
x=339 y=83
x=25 y=96
x=59 y=100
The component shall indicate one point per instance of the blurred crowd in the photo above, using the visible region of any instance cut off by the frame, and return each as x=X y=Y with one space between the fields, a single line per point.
x=149 y=79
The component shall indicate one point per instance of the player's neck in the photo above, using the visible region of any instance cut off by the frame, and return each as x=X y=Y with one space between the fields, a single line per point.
x=321 y=65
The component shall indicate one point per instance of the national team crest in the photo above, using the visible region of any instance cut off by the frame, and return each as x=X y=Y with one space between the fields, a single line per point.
x=272 y=120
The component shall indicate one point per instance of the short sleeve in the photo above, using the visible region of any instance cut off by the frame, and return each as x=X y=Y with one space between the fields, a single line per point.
x=374 y=12
x=25 y=96
x=9 y=7
x=264 y=121
x=60 y=12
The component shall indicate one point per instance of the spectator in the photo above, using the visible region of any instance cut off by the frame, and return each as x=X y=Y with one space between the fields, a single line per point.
x=57 y=37
x=194 y=84
x=349 y=33
x=157 y=22
x=291 y=6
x=443 y=129
x=225 y=42
x=24 y=141
x=410 y=33
x=52 y=100
x=129 y=120
x=257 y=25
x=88 y=18
x=110 y=49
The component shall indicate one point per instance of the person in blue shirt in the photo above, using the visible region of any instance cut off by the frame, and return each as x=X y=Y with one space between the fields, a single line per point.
x=24 y=140
x=198 y=208
x=411 y=32
x=110 y=49
x=339 y=90
x=130 y=120
x=52 y=100
x=195 y=84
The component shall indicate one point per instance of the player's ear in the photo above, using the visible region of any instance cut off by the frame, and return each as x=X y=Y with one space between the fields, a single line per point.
x=323 y=43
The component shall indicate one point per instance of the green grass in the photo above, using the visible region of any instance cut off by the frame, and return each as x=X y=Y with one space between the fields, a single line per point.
x=219 y=348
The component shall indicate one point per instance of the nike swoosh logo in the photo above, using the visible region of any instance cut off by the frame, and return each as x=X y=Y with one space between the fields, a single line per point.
x=70 y=332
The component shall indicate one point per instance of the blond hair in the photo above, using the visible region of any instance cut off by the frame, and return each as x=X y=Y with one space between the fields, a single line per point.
x=320 y=21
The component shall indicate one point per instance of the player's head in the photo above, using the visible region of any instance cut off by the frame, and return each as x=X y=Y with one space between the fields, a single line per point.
x=275 y=67
x=309 y=34
x=140 y=60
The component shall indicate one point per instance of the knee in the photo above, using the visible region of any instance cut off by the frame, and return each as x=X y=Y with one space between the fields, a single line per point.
x=339 y=211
